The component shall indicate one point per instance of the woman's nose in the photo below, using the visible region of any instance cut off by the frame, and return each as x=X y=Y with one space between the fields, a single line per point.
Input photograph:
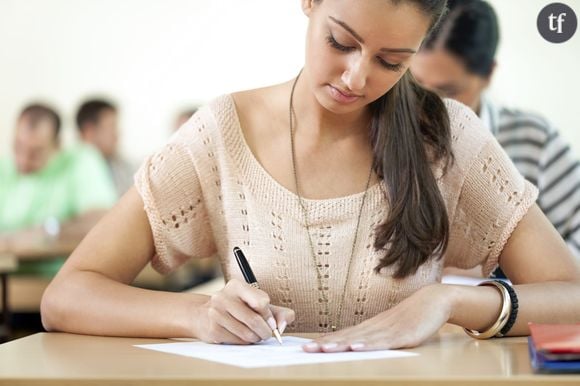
x=356 y=74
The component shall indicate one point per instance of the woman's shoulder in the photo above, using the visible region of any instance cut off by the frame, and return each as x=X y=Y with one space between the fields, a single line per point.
x=468 y=133
x=258 y=108
x=226 y=113
x=464 y=121
x=269 y=96
x=469 y=137
x=208 y=124
x=228 y=123
x=262 y=115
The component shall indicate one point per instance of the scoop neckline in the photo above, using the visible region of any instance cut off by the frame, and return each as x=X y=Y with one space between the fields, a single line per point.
x=253 y=163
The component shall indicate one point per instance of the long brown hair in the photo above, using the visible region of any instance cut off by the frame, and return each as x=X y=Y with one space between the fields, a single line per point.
x=410 y=132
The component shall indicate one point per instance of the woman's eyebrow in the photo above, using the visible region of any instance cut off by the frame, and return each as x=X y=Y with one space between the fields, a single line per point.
x=361 y=40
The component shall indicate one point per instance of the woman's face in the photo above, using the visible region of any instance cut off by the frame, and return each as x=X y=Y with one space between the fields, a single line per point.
x=441 y=72
x=357 y=50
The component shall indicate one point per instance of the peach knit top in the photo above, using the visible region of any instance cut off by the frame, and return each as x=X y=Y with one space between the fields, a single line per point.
x=204 y=193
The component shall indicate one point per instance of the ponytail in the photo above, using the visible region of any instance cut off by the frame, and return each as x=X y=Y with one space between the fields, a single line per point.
x=410 y=132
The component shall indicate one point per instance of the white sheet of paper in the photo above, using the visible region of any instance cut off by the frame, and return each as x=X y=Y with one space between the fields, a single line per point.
x=267 y=353
x=461 y=280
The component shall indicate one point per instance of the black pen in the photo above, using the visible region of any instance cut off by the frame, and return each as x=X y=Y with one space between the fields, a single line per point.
x=251 y=280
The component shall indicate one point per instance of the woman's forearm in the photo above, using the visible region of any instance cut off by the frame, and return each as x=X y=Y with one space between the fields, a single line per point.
x=477 y=308
x=111 y=308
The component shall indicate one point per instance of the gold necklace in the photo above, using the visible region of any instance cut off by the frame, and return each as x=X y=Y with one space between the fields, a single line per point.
x=317 y=265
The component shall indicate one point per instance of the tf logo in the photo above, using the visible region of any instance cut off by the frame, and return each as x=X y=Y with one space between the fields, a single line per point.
x=557 y=22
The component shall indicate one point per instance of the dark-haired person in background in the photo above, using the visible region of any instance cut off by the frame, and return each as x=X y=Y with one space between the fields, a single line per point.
x=458 y=62
x=97 y=124
x=46 y=192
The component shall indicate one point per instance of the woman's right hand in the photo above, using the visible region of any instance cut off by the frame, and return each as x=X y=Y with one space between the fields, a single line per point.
x=240 y=314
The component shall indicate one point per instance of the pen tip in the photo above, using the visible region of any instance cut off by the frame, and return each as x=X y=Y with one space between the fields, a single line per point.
x=277 y=336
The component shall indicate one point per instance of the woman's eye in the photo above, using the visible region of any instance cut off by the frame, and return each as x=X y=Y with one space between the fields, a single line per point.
x=333 y=43
x=390 y=66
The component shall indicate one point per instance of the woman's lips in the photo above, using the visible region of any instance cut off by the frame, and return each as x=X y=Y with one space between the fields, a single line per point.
x=342 y=96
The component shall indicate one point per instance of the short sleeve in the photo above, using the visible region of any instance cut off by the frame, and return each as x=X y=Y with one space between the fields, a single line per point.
x=91 y=181
x=493 y=198
x=172 y=194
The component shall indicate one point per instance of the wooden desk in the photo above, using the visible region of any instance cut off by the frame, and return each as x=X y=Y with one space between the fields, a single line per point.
x=450 y=358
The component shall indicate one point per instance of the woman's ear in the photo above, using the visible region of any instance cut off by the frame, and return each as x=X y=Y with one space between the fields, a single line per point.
x=307 y=6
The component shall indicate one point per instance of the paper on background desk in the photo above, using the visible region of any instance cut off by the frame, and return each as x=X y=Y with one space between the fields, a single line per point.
x=267 y=353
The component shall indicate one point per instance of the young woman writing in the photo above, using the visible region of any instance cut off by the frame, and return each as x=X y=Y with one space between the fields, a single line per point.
x=349 y=188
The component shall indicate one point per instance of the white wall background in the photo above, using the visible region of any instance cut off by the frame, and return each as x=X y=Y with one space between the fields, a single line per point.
x=154 y=57
x=536 y=75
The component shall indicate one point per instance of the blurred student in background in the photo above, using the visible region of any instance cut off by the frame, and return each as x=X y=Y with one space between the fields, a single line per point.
x=458 y=62
x=97 y=122
x=47 y=193
x=183 y=117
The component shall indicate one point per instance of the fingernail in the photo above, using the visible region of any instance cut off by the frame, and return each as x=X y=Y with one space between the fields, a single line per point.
x=311 y=346
x=282 y=327
x=357 y=346
x=329 y=346
x=271 y=322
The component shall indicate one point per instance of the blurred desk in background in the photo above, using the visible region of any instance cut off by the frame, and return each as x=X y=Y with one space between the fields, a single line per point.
x=29 y=289
x=22 y=293
x=8 y=263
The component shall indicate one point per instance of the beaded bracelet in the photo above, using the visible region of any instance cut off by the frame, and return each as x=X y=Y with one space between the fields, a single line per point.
x=514 y=310
x=503 y=315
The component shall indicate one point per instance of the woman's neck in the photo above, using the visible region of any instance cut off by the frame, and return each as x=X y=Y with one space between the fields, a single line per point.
x=321 y=125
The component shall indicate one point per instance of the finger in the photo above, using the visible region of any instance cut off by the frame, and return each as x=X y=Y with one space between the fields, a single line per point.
x=284 y=316
x=221 y=335
x=312 y=347
x=338 y=336
x=256 y=299
x=373 y=345
x=238 y=328
x=331 y=342
x=339 y=341
x=249 y=318
x=329 y=347
x=369 y=341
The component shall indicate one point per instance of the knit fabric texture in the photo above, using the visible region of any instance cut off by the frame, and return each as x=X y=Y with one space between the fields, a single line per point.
x=204 y=193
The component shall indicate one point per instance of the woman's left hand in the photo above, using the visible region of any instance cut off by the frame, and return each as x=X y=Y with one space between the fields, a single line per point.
x=408 y=324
